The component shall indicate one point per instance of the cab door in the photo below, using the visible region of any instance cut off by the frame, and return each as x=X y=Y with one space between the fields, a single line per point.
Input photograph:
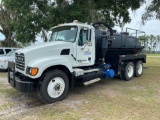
x=85 y=49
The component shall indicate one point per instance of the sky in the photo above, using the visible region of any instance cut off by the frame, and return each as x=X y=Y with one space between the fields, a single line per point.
x=151 y=27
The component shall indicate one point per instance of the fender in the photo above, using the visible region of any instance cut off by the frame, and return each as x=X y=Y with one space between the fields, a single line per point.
x=43 y=64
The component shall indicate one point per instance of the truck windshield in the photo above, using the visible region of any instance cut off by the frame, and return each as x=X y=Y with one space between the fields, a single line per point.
x=67 y=34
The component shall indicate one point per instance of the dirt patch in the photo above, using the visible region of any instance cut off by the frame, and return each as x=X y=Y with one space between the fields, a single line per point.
x=73 y=104
x=20 y=106
x=3 y=80
x=137 y=88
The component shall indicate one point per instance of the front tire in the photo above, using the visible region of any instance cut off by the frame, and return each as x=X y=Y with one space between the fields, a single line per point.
x=128 y=71
x=54 y=86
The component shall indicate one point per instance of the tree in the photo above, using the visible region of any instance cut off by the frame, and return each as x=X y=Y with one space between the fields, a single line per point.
x=35 y=16
x=5 y=29
x=80 y=10
x=151 y=42
x=152 y=11
x=157 y=41
x=116 y=11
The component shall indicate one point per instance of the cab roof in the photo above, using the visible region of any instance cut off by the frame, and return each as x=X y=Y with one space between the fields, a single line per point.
x=73 y=24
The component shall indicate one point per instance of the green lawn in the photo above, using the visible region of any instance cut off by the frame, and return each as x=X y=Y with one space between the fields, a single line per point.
x=153 y=55
x=153 y=60
x=3 y=74
x=112 y=99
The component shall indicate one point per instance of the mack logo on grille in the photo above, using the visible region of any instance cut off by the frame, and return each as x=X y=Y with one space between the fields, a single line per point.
x=20 y=58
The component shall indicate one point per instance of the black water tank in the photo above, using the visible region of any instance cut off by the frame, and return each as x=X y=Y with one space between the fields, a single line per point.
x=123 y=44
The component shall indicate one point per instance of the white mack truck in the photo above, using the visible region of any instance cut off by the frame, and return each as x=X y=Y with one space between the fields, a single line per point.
x=75 y=53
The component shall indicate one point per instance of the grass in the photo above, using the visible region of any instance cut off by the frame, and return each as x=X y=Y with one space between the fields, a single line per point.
x=107 y=99
x=154 y=54
x=152 y=60
x=3 y=74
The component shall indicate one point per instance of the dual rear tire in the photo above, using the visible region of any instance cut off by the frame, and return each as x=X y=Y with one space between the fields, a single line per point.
x=138 y=68
x=129 y=70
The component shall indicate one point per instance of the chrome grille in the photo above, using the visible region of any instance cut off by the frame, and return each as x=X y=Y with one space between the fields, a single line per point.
x=20 y=61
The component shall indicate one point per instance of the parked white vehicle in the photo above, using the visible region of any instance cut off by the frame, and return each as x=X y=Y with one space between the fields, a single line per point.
x=6 y=50
x=5 y=59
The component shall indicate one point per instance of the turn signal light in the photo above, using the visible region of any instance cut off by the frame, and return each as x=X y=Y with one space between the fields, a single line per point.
x=34 y=71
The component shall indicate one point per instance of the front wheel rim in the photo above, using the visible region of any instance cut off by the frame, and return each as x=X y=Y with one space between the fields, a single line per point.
x=56 y=87
x=130 y=71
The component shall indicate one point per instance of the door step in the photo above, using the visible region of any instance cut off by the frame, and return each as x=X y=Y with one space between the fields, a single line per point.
x=91 y=70
x=91 y=81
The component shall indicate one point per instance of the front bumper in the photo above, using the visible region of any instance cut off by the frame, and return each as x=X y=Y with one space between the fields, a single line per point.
x=21 y=84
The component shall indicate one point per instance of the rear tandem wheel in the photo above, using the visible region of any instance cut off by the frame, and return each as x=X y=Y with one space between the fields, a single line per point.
x=128 y=71
x=138 y=68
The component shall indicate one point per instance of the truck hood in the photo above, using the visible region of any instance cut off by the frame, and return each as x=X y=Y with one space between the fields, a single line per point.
x=44 y=46
x=44 y=51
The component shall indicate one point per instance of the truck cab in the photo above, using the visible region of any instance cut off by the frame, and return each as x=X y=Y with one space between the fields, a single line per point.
x=75 y=53
x=70 y=45
x=82 y=39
